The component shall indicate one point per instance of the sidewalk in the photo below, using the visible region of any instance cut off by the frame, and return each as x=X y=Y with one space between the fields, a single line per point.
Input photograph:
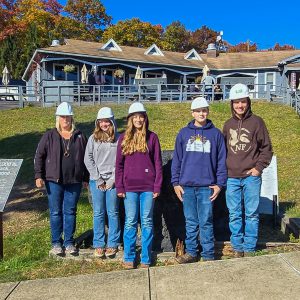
x=262 y=277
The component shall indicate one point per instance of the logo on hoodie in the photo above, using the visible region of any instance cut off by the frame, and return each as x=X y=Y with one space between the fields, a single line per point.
x=198 y=143
x=239 y=141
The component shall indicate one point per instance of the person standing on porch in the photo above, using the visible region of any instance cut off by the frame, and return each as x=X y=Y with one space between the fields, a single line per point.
x=138 y=181
x=198 y=175
x=58 y=164
x=100 y=160
x=208 y=82
x=249 y=151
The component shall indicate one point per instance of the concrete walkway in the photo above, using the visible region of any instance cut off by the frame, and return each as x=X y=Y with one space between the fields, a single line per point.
x=262 y=277
x=5 y=105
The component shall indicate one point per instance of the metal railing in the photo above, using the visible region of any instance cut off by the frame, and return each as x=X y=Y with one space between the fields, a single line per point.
x=84 y=94
x=293 y=99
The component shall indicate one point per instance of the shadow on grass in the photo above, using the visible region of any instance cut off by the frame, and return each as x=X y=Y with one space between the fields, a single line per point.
x=23 y=146
x=286 y=206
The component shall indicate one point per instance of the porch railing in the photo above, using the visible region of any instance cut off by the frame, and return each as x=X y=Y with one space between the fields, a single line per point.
x=84 y=94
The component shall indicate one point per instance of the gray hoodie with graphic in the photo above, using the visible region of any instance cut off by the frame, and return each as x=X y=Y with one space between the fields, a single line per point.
x=100 y=159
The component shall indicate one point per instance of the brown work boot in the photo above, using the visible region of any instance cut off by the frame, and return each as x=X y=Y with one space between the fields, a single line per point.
x=186 y=258
x=128 y=265
x=238 y=254
x=99 y=252
x=144 y=266
x=111 y=252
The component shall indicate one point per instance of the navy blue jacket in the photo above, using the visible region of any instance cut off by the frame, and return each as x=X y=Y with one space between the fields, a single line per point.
x=199 y=157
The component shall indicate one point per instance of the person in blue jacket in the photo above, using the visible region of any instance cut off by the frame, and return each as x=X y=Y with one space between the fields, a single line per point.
x=198 y=175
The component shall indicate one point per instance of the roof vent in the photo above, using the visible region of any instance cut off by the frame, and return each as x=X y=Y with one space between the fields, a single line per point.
x=55 y=43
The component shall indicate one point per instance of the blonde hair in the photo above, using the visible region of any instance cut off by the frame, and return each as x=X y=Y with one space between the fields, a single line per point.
x=57 y=124
x=134 y=140
x=101 y=136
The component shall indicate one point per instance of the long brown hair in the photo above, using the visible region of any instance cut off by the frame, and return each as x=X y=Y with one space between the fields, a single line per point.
x=104 y=137
x=134 y=140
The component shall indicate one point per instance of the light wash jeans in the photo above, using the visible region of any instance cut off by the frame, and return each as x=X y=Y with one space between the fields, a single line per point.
x=198 y=213
x=135 y=203
x=243 y=192
x=63 y=199
x=105 y=202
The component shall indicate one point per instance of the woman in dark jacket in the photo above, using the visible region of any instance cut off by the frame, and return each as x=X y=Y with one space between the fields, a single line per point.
x=59 y=165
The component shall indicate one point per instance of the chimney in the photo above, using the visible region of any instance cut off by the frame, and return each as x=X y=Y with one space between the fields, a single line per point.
x=211 y=51
x=55 y=43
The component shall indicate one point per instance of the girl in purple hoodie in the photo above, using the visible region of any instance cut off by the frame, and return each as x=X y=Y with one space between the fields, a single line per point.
x=138 y=181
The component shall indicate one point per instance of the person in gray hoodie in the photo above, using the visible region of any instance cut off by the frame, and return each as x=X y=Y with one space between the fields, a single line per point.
x=100 y=160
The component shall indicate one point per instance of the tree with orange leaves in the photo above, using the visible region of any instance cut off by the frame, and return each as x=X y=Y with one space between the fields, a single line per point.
x=278 y=47
x=243 y=47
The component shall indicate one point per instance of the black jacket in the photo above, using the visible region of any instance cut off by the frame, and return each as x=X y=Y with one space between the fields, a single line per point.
x=47 y=160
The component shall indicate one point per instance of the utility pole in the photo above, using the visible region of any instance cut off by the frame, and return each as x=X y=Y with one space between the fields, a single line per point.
x=248 y=45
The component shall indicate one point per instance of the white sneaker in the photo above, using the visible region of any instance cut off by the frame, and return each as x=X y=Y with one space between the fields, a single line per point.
x=72 y=250
x=56 y=250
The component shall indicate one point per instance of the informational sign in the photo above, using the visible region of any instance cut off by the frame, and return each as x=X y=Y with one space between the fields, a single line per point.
x=9 y=169
x=269 y=188
x=293 y=81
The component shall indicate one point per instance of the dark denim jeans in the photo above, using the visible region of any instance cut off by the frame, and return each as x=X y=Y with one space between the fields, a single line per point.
x=105 y=202
x=198 y=213
x=63 y=200
x=135 y=203
x=243 y=238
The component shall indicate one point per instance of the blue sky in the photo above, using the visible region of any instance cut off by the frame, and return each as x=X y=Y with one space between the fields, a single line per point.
x=263 y=22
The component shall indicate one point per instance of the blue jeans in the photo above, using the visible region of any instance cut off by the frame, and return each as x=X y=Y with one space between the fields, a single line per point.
x=243 y=238
x=198 y=213
x=63 y=199
x=135 y=203
x=105 y=202
x=208 y=91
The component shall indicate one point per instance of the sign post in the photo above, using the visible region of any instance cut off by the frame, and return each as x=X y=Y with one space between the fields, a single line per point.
x=269 y=203
x=9 y=169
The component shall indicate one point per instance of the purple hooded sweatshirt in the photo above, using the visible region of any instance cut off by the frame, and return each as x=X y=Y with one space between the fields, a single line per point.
x=140 y=172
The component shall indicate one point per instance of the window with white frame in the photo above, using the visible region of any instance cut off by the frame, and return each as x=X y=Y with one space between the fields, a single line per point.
x=270 y=80
x=192 y=55
x=111 y=45
x=154 y=50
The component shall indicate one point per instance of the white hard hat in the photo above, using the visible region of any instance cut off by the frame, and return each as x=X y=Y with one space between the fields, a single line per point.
x=136 y=107
x=199 y=102
x=64 y=109
x=105 y=113
x=239 y=91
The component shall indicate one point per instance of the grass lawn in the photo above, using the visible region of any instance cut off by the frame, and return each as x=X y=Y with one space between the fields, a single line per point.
x=26 y=222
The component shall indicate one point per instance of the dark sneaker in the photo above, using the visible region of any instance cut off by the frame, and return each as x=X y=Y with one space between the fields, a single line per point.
x=111 y=252
x=238 y=254
x=99 y=252
x=72 y=250
x=56 y=250
x=128 y=265
x=186 y=258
